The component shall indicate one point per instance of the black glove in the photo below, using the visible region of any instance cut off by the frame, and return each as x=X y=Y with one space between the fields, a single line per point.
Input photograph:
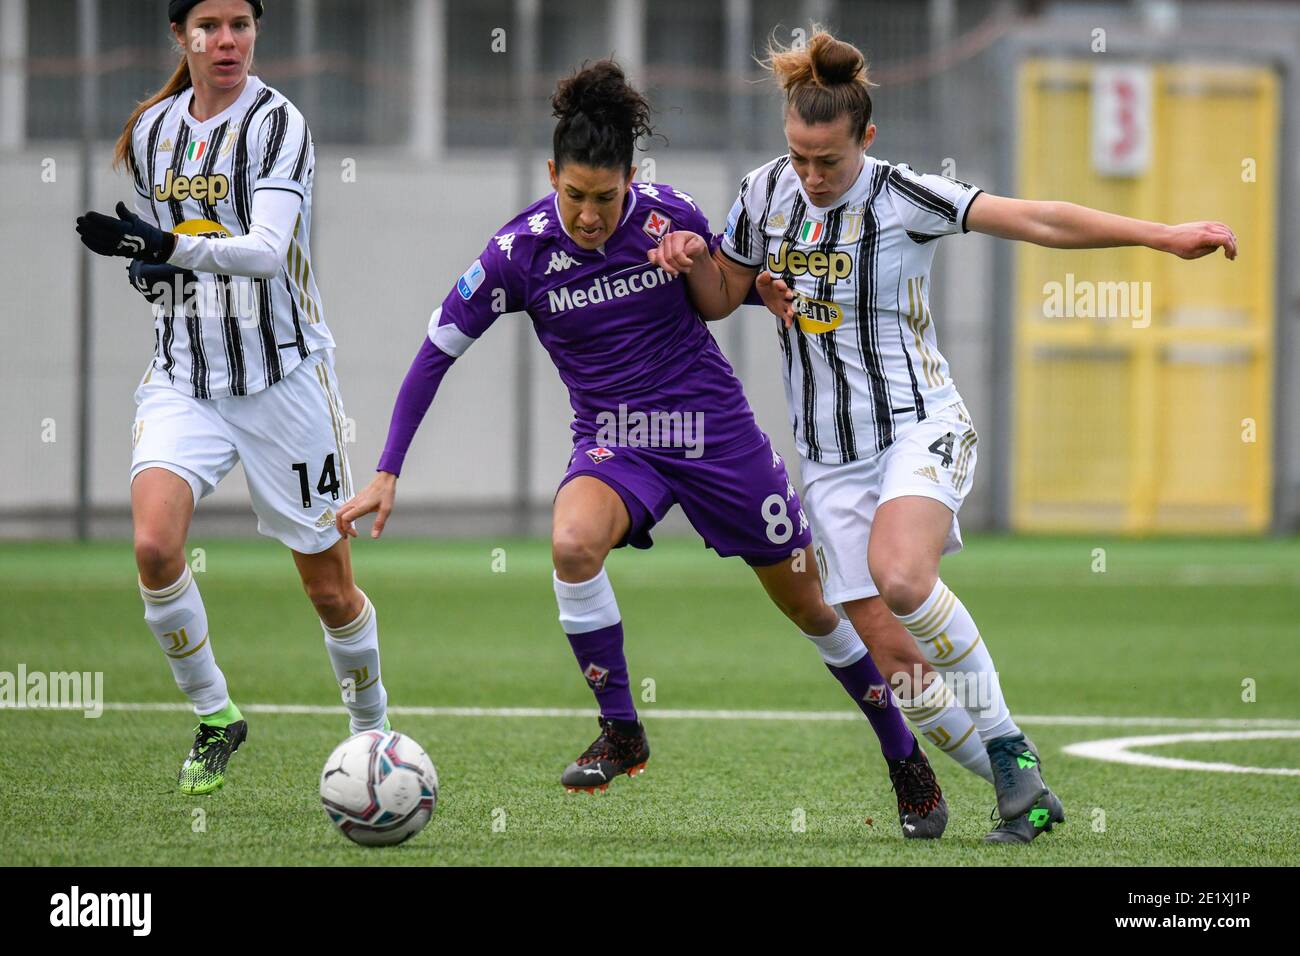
x=147 y=277
x=128 y=235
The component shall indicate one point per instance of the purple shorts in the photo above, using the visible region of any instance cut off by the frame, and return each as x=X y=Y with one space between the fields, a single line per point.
x=742 y=502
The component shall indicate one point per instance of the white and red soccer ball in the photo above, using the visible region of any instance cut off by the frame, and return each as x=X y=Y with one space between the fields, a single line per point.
x=379 y=788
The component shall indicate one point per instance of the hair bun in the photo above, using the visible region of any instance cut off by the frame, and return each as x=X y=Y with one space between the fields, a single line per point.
x=834 y=62
x=596 y=92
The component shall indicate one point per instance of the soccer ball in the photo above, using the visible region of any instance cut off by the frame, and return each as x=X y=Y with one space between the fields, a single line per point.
x=379 y=787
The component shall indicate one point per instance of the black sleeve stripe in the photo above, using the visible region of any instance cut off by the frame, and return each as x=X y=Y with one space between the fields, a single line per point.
x=300 y=167
x=966 y=213
x=920 y=237
x=922 y=197
x=279 y=120
x=740 y=237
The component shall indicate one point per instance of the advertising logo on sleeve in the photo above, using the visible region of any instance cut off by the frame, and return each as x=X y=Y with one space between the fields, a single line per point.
x=473 y=278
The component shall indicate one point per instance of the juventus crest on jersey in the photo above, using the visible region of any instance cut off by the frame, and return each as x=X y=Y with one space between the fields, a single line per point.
x=239 y=335
x=861 y=359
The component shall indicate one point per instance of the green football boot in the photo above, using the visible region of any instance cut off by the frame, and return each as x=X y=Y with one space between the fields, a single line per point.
x=1017 y=777
x=215 y=738
x=1026 y=828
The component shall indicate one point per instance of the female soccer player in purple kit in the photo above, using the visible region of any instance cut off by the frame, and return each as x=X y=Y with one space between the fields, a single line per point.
x=631 y=348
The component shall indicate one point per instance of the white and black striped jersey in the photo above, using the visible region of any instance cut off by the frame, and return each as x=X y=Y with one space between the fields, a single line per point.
x=241 y=334
x=861 y=358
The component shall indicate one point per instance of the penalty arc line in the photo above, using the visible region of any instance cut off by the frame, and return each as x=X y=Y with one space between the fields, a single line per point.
x=1116 y=750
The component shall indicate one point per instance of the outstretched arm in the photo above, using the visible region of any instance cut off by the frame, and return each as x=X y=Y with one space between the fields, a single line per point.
x=1066 y=225
x=413 y=401
x=716 y=283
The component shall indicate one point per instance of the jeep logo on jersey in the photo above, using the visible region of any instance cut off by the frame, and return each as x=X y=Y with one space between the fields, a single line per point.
x=818 y=264
x=201 y=188
x=817 y=316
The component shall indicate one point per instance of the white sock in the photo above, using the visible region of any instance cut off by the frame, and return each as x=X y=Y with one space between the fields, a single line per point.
x=936 y=713
x=354 y=652
x=841 y=647
x=951 y=643
x=178 y=620
x=586 y=606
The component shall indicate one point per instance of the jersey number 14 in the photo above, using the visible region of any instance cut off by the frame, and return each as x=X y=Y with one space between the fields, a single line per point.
x=327 y=485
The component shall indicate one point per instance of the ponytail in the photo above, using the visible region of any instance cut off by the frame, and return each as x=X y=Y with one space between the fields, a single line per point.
x=179 y=82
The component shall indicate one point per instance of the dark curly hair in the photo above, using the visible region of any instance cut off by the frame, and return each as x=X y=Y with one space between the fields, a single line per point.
x=601 y=117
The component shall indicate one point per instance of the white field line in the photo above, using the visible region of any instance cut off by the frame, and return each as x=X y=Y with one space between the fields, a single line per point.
x=1042 y=720
x=1116 y=750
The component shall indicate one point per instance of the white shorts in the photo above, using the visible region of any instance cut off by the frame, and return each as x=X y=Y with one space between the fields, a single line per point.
x=934 y=458
x=290 y=437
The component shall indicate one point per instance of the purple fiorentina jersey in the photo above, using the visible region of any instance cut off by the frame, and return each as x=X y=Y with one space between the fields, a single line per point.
x=620 y=331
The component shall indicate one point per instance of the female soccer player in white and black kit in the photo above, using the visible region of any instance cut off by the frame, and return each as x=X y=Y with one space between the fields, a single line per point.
x=841 y=245
x=243 y=365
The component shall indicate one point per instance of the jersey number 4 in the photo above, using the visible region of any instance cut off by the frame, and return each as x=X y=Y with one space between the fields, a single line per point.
x=328 y=484
x=943 y=448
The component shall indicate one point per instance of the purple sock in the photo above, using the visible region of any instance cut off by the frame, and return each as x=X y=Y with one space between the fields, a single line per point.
x=600 y=655
x=869 y=690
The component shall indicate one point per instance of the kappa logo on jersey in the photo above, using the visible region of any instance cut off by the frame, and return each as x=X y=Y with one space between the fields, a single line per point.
x=505 y=243
x=833 y=265
x=817 y=316
x=596 y=676
x=559 y=262
x=201 y=188
x=537 y=222
x=811 y=231
x=468 y=284
x=877 y=696
x=657 y=225
x=598 y=455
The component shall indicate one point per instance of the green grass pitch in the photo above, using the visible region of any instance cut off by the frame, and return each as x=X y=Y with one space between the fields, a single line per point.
x=1170 y=630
